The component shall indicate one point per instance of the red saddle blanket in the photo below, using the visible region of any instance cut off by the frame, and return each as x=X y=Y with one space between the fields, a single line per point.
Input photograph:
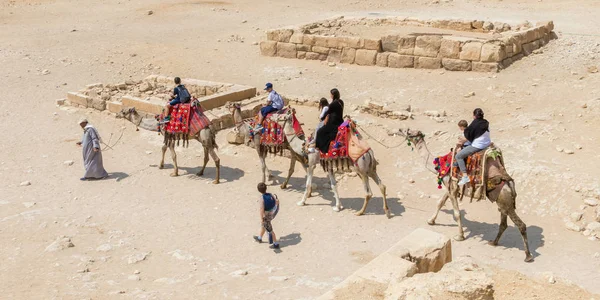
x=473 y=162
x=187 y=118
x=272 y=133
x=346 y=143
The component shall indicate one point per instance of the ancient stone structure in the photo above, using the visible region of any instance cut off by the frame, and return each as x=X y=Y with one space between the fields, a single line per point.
x=455 y=45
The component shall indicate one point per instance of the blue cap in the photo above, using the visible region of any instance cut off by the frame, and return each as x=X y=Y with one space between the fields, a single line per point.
x=268 y=86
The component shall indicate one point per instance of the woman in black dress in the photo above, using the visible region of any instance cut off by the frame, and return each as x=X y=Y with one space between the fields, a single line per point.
x=335 y=118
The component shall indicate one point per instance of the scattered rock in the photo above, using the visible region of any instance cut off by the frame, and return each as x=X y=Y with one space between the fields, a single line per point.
x=573 y=227
x=25 y=183
x=352 y=174
x=593 y=227
x=136 y=272
x=471 y=94
x=591 y=202
x=331 y=64
x=576 y=216
x=29 y=204
x=597 y=255
x=68 y=162
x=569 y=151
x=148 y=152
x=150 y=12
x=598 y=214
x=278 y=278
x=559 y=149
x=239 y=273
x=135 y=258
x=61 y=102
x=255 y=44
x=181 y=255
x=60 y=243
x=45 y=72
x=592 y=69
x=411 y=180
x=133 y=277
x=104 y=248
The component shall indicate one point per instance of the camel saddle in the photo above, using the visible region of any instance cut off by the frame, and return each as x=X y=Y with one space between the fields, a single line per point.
x=485 y=170
x=347 y=144
x=272 y=133
x=187 y=119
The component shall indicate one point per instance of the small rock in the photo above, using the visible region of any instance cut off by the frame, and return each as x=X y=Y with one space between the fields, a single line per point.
x=578 y=147
x=569 y=151
x=68 y=162
x=245 y=21
x=29 y=204
x=576 y=216
x=45 y=72
x=593 y=227
x=135 y=258
x=60 y=102
x=150 y=12
x=573 y=227
x=148 y=152
x=86 y=270
x=331 y=64
x=471 y=94
x=590 y=202
x=136 y=272
x=133 y=277
x=559 y=149
x=278 y=278
x=239 y=273
x=587 y=233
x=104 y=248
x=551 y=280
x=352 y=174
x=592 y=69
x=411 y=180
x=60 y=243
x=597 y=255
x=25 y=183
x=255 y=44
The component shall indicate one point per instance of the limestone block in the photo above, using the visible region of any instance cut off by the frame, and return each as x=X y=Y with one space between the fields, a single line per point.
x=320 y=50
x=98 y=104
x=456 y=64
x=406 y=45
x=528 y=48
x=365 y=57
x=549 y=25
x=303 y=47
x=536 y=44
x=61 y=102
x=485 y=67
x=460 y=25
x=461 y=279
x=371 y=44
x=280 y=35
x=334 y=55
x=235 y=138
x=428 y=63
x=153 y=107
x=507 y=62
x=114 y=107
x=428 y=45
x=530 y=35
x=400 y=61
x=471 y=51
x=382 y=59
x=268 y=48
x=492 y=52
x=308 y=40
x=94 y=86
x=312 y=55
x=348 y=55
x=322 y=57
x=287 y=50
x=79 y=99
x=301 y=55
x=389 y=43
x=350 y=42
x=449 y=48
x=477 y=25
x=297 y=38
x=428 y=249
x=320 y=41
x=333 y=42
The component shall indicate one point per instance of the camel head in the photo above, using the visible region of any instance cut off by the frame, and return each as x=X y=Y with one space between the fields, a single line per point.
x=233 y=106
x=413 y=137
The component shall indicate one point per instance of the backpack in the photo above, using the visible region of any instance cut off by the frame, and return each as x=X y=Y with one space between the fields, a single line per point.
x=184 y=95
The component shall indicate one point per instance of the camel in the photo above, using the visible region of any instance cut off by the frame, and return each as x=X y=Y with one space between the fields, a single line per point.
x=506 y=200
x=365 y=167
x=205 y=136
x=292 y=141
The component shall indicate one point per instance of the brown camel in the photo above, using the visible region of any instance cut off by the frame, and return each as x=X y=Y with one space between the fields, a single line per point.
x=205 y=136
x=506 y=200
x=292 y=141
x=365 y=167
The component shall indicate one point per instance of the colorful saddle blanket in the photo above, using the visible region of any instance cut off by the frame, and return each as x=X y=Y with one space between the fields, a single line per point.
x=473 y=162
x=272 y=133
x=346 y=143
x=187 y=119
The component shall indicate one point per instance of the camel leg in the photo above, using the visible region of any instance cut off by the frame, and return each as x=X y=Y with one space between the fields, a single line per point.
x=337 y=206
x=369 y=194
x=440 y=204
x=523 y=229
x=290 y=171
x=217 y=161
x=458 y=218
x=162 y=161
x=263 y=167
x=382 y=188
x=205 y=162
x=174 y=156
x=501 y=228
x=309 y=175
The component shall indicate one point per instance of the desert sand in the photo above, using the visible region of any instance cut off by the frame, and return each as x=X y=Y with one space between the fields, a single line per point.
x=143 y=234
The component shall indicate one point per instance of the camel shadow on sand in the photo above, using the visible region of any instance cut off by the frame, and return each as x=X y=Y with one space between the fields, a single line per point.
x=227 y=174
x=375 y=206
x=511 y=237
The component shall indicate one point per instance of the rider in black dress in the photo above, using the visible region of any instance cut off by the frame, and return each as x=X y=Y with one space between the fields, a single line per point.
x=335 y=113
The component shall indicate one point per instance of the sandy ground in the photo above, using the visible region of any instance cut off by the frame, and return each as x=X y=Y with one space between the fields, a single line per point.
x=195 y=236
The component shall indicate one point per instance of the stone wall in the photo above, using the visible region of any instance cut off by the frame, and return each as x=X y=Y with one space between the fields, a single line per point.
x=423 y=51
x=151 y=94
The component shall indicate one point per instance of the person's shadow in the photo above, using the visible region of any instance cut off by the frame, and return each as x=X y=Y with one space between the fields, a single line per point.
x=288 y=240
x=118 y=176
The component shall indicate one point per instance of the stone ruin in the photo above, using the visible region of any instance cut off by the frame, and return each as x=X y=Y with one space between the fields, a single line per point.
x=420 y=266
x=399 y=42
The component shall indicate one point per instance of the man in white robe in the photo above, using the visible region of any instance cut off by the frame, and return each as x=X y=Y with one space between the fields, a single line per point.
x=92 y=156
